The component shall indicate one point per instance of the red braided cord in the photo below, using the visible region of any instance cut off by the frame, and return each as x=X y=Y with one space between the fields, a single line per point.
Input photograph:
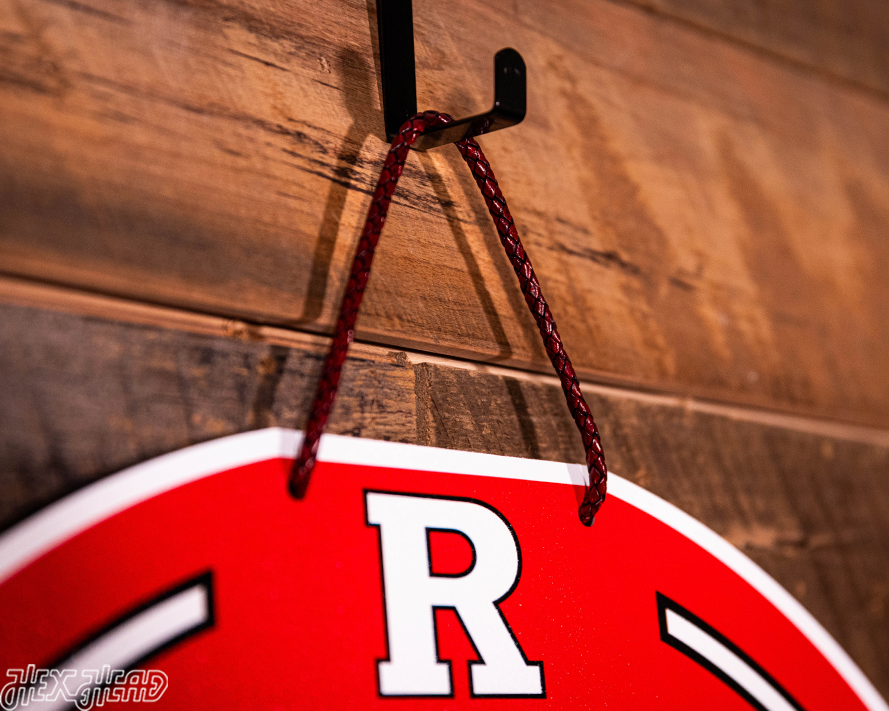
x=509 y=237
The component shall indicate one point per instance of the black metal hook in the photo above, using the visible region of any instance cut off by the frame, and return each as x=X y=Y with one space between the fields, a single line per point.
x=398 y=69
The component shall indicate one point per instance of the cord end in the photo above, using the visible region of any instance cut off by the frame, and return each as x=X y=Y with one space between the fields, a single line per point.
x=593 y=499
x=300 y=475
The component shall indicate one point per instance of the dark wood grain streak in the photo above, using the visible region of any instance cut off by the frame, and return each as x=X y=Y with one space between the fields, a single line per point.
x=84 y=396
x=704 y=220
x=845 y=39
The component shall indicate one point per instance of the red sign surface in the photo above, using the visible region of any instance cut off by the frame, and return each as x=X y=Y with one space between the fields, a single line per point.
x=408 y=577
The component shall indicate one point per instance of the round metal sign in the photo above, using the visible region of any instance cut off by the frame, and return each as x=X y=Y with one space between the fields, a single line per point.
x=407 y=577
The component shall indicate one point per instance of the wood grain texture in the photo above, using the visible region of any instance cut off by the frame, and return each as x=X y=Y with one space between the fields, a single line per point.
x=704 y=220
x=847 y=39
x=85 y=396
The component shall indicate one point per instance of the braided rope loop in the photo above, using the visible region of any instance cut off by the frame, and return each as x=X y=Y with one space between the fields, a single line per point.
x=344 y=332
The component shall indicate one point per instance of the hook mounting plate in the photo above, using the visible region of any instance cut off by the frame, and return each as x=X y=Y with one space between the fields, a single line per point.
x=398 y=69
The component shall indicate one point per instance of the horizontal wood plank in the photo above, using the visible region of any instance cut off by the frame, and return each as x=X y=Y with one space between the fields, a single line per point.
x=843 y=38
x=705 y=221
x=84 y=396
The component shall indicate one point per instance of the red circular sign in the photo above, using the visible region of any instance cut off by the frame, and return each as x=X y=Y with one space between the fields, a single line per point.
x=408 y=576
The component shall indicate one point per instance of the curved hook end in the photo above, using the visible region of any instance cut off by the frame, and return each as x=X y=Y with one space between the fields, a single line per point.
x=510 y=84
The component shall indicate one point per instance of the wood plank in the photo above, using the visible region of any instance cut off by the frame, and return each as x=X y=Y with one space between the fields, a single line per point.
x=846 y=39
x=83 y=396
x=704 y=220
x=21 y=292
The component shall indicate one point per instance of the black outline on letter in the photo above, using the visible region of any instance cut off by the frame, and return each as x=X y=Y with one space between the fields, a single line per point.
x=429 y=553
x=496 y=603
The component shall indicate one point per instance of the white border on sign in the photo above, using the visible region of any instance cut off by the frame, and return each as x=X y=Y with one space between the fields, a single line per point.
x=61 y=521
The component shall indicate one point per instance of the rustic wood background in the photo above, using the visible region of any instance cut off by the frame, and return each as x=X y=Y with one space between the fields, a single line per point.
x=703 y=188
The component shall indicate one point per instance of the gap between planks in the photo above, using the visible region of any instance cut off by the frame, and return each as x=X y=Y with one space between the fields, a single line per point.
x=26 y=293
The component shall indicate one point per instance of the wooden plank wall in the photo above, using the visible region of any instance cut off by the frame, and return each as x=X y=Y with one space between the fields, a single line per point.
x=844 y=40
x=703 y=188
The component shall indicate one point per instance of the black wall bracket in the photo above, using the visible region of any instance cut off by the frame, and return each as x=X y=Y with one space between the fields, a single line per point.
x=398 y=69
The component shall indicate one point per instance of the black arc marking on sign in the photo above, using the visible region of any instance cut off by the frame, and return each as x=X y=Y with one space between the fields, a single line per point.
x=689 y=634
x=165 y=620
x=177 y=628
